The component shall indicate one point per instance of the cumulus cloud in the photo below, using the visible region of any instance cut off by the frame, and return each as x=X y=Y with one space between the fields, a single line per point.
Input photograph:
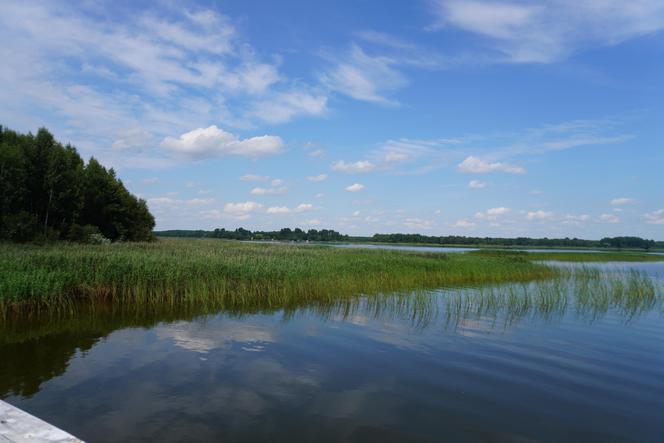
x=269 y=191
x=477 y=184
x=540 y=215
x=242 y=207
x=609 y=218
x=254 y=178
x=317 y=178
x=478 y=166
x=302 y=207
x=655 y=217
x=622 y=201
x=278 y=210
x=214 y=142
x=463 y=224
x=355 y=187
x=107 y=76
x=492 y=213
x=316 y=153
x=170 y=202
x=357 y=167
x=572 y=219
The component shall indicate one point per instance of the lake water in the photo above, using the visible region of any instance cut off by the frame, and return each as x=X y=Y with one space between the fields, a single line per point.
x=449 y=365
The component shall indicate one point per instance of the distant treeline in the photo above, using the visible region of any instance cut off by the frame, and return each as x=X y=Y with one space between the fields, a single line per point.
x=298 y=234
x=613 y=242
x=285 y=234
x=47 y=192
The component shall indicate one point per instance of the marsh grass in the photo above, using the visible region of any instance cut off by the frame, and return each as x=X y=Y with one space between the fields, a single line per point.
x=231 y=274
x=585 y=293
x=612 y=256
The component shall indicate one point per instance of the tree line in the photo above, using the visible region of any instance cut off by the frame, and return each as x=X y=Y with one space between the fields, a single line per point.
x=47 y=192
x=323 y=235
x=607 y=242
x=285 y=234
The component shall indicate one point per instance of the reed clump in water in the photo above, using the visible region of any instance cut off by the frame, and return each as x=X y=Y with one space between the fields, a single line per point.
x=590 y=256
x=232 y=273
x=587 y=293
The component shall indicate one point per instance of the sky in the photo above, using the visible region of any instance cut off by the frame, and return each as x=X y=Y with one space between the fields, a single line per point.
x=440 y=117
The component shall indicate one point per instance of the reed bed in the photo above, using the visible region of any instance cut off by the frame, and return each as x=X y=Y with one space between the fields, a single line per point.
x=603 y=257
x=586 y=293
x=232 y=274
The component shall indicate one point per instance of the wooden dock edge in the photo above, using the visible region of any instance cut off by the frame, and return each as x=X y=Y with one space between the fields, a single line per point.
x=17 y=426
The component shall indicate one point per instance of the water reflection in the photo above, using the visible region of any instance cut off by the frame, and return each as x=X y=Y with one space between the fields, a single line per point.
x=37 y=348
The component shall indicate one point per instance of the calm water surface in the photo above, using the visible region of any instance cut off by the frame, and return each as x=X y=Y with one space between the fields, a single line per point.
x=389 y=368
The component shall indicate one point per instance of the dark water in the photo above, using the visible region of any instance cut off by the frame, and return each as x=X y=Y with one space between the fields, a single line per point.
x=533 y=364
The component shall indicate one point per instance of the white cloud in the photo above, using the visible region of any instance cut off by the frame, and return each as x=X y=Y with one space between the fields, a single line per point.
x=212 y=214
x=282 y=107
x=132 y=138
x=477 y=184
x=150 y=180
x=540 y=215
x=418 y=223
x=492 y=213
x=316 y=153
x=277 y=182
x=463 y=224
x=302 y=207
x=278 y=210
x=364 y=77
x=254 y=178
x=357 y=167
x=478 y=166
x=655 y=217
x=580 y=218
x=173 y=203
x=355 y=187
x=200 y=201
x=317 y=178
x=110 y=77
x=269 y=191
x=609 y=218
x=214 y=142
x=622 y=201
x=497 y=211
x=242 y=207
x=550 y=30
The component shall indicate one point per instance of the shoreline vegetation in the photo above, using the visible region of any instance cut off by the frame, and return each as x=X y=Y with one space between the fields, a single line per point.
x=331 y=236
x=232 y=274
x=200 y=271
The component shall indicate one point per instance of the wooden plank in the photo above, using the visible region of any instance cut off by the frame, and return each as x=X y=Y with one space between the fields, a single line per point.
x=18 y=426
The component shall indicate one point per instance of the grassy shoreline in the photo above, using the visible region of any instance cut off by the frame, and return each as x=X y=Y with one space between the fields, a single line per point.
x=239 y=273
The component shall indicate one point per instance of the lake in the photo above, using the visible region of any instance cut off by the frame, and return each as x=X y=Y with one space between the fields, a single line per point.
x=535 y=363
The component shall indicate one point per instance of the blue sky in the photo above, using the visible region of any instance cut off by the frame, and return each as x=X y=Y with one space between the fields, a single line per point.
x=469 y=117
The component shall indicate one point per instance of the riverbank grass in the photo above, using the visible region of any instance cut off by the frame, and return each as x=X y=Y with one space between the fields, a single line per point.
x=171 y=270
